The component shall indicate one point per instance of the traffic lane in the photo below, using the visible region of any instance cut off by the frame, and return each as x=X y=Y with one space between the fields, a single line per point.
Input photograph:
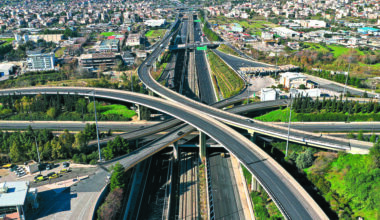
x=335 y=127
x=258 y=106
x=206 y=88
x=237 y=62
x=154 y=194
x=75 y=126
x=226 y=206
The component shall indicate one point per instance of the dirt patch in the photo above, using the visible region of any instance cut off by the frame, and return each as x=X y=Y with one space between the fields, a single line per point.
x=4 y=172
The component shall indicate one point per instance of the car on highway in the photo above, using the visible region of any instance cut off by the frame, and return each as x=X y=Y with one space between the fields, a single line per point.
x=180 y=133
x=250 y=121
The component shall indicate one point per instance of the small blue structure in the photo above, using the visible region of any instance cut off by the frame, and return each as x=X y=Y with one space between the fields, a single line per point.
x=368 y=30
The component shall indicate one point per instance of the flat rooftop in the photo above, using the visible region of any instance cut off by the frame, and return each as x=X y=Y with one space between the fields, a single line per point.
x=15 y=193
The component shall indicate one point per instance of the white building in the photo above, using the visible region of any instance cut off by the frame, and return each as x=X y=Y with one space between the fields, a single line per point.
x=56 y=38
x=40 y=61
x=155 y=23
x=292 y=80
x=313 y=23
x=268 y=94
x=133 y=40
x=6 y=69
x=286 y=32
x=306 y=92
x=15 y=198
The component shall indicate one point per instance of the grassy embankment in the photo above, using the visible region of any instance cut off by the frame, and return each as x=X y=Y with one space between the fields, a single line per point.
x=117 y=110
x=154 y=35
x=59 y=52
x=350 y=184
x=263 y=206
x=8 y=41
x=114 y=112
x=251 y=26
x=107 y=34
x=161 y=66
x=228 y=81
x=228 y=50
x=282 y=115
x=339 y=50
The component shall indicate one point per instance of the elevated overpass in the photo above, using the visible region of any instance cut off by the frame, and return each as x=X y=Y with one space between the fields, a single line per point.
x=289 y=196
x=195 y=45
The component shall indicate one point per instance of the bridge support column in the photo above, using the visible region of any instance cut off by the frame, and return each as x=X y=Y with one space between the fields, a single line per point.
x=150 y=92
x=175 y=151
x=137 y=143
x=252 y=135
x=138 y=112
x=202 y=144
x=255 y=186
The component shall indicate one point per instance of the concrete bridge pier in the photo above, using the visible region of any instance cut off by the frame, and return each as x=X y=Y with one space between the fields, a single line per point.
x=255 y=186
x=138 y=112
x=252 y=135
x=150 y=92
x=202 y=144
x=175 y=151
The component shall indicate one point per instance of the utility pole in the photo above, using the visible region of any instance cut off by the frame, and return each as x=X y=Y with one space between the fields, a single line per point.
x=246 y=81
x=275 y=75
x=97 y=128
x=290 y=117
x=38 y=152
x=345 y=86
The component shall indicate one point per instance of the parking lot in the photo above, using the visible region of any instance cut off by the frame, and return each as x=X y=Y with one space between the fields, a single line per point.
x=76 y=170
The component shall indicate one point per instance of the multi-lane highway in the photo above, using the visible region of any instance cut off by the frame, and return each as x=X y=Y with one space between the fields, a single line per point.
x=289 y=196
x=225 y=192
x=292 y=200
x=206 y=88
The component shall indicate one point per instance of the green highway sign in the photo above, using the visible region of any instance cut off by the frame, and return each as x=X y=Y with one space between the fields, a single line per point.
x=202 y=48
x=197 y=20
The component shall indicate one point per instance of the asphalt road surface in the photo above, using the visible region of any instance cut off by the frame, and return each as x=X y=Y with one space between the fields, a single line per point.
x=152 y=199
x=75 y=126
x=236 y=62
x=226 y=198
x=206 y=88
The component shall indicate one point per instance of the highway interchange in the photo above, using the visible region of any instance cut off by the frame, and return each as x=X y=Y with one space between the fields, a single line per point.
x=291 y=199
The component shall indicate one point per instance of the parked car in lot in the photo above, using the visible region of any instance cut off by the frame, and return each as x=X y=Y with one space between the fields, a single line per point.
x=39 y=178
x=66 y=170
x=50 y=166
x=50 y=174
x=55 y=175
x=65 y=164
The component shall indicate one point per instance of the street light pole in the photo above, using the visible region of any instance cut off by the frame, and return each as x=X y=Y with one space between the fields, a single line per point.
x=97 y=128
x=38 y=152
x=345 y=86
x=246 y=81
x=290 y=117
